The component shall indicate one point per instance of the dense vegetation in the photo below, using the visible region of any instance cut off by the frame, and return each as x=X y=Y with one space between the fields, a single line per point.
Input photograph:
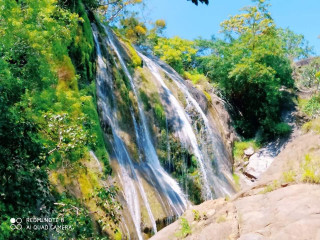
x=49 y=121
x=48 y=115
x=251 y=66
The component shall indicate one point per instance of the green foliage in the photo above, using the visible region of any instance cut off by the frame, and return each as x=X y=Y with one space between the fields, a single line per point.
x=312 y=107
x=184 y=167
x=239 y=147
x=136 y=60
x=177 y=52
x=307 y=77
x=82 y=50
x=250 y=67
x=236 y=180
x=42 y=112
x=311 y=169
x=133 y=29
x=106 y=198
x=34 y=38
x=289 y=177
x=194 y=77
x=76 y=216
x=185 y=228
x=93 y=127
x=282 y=129
x=65 y=135
x=153 y=102
x=313 y=125
x=295 y=45
x=271 y=187
x=196 y=215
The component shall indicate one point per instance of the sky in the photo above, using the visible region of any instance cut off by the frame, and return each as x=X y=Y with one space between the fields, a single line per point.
x=189 y=21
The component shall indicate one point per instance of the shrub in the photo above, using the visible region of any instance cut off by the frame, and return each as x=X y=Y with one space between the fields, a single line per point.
x=289 y=177
x=282 y=129
x=311 y=170
x=196 y=215
x=185 y=228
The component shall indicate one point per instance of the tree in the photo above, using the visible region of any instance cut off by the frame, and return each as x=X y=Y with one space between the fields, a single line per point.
x=133 y=29
x=295 y=45
x=112 y=9
x=251 y=66
x=177 y=52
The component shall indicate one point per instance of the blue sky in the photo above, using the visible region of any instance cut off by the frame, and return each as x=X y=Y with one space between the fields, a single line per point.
x=189 y=21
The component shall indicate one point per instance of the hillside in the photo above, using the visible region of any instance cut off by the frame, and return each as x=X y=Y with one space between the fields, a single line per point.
x=280 y=205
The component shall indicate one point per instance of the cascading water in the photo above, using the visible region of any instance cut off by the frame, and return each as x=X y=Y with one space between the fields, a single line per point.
x=168 y=192
x=109 y=115
x=168 y=186
x=204 y=142
x=214 y=168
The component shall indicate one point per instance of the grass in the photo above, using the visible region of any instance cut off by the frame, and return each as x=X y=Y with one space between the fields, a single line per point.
x=289 y=177
x=313 y=125
x=271 y=187
x=239 y=147
x=311 y=170
x=185 y=228
x=196 y=215
x=236 y=179
x=221 y=219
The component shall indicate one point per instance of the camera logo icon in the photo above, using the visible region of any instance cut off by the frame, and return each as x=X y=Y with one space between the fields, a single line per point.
x=16 y=223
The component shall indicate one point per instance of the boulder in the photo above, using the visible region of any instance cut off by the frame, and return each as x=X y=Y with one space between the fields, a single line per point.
x=249 y=151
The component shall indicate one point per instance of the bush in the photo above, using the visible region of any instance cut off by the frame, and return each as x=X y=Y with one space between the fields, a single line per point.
x=311 y=169
x=312 y=107
x=282 y=129
x=185 y=228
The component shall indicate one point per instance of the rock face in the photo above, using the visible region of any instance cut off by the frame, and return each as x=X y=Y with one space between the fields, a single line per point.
x=287 y=214
x=288 y=211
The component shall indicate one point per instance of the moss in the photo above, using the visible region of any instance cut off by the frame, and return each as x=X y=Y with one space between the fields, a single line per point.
x=145 y=100
x=136 y=60
x=183 y=166
x=82 y=49
x=236 y=179
x=89 y=108
x=66 y=74
x=208 y=96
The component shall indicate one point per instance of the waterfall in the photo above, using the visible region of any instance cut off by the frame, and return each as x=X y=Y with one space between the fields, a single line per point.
x=128 y=175
x=214 y=169
x=203 y=142
x=167 y=190
x=168 y=185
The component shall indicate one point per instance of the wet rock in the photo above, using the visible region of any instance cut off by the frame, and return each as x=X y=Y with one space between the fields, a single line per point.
x=198 y=95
